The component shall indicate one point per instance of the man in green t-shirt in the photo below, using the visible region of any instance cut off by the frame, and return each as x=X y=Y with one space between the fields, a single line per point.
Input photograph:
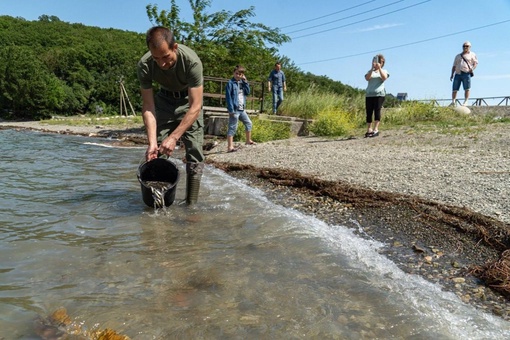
x=175 y=111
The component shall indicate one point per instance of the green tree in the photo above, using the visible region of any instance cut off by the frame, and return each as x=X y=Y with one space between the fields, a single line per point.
x=223 y=39
x=26 y=86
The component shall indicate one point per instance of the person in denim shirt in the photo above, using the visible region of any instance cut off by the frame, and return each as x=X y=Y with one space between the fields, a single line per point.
x=235 y=94
x=276 y=83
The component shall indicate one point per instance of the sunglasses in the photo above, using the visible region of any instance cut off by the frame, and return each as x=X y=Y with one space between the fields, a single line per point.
x=466 y=45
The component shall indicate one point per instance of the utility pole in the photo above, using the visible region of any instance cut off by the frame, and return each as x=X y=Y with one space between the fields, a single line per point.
x=123 y=98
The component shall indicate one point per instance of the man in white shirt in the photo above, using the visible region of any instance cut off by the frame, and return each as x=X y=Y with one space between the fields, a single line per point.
x=463 y=66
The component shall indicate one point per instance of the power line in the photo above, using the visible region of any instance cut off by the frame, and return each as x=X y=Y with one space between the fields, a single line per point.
x=347 y=17
x=327 y=15
x=357 y=22
x=408 y=44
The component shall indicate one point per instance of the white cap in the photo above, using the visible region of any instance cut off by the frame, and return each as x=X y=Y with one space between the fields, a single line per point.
x=467 y=43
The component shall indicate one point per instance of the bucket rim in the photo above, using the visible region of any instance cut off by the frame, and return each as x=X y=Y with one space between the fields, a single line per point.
x=145 y=162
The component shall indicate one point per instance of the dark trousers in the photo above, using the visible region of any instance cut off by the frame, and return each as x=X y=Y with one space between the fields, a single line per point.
x=373 y=106
x=169 y=114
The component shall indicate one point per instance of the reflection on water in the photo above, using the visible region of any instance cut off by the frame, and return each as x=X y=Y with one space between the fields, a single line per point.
x=74 y=232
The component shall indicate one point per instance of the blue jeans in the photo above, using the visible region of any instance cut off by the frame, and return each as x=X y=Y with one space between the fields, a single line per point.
x=233 y=120
x=277 y=97
x=463 y=78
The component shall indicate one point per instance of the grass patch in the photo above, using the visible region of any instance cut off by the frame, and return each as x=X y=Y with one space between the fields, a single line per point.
x=310 y=103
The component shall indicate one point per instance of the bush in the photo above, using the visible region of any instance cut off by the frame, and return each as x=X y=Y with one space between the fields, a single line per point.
x=332 y=123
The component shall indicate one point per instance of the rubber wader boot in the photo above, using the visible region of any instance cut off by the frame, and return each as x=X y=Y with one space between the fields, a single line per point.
x=193 y=176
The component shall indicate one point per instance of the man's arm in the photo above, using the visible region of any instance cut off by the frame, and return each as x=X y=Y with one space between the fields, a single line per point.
x=149 y=120
x=195 y=96
x=475 y=62
x=454 y=67
x=246 y=86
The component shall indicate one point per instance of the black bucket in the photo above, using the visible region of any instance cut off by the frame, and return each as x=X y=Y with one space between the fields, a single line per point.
x=158 y=170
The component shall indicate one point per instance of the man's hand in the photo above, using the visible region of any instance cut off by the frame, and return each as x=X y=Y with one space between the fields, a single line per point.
x=168 y=145
x=151 y=153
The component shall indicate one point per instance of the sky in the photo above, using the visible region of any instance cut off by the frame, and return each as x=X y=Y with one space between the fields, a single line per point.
x=338 y=38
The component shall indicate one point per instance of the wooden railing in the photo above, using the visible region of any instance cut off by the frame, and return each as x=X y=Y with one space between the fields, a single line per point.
x=214 y=93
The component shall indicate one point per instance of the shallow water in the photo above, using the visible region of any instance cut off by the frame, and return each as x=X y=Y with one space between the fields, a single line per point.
x=74 y=232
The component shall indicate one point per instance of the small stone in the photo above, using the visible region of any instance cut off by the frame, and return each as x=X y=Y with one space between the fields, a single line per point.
x=459 y=280
x=466 y=298
x=418 y=249
x=455 y=264
x=498 y=311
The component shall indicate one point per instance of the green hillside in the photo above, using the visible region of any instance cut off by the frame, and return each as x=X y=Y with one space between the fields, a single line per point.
x=50 y=67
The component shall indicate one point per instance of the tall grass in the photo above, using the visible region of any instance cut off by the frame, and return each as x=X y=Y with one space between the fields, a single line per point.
x=339 y=115
x=309 y=103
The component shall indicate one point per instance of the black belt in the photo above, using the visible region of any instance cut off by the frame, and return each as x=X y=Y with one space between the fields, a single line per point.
x=175 y=94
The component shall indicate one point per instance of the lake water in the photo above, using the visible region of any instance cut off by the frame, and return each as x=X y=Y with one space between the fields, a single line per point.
x=74 y=232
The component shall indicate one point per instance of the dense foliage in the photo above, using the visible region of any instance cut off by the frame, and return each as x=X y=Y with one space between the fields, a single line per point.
x=50 y=67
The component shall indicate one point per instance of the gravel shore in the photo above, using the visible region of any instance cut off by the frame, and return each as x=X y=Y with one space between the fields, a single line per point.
x=466 y=170
x=439 y=201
